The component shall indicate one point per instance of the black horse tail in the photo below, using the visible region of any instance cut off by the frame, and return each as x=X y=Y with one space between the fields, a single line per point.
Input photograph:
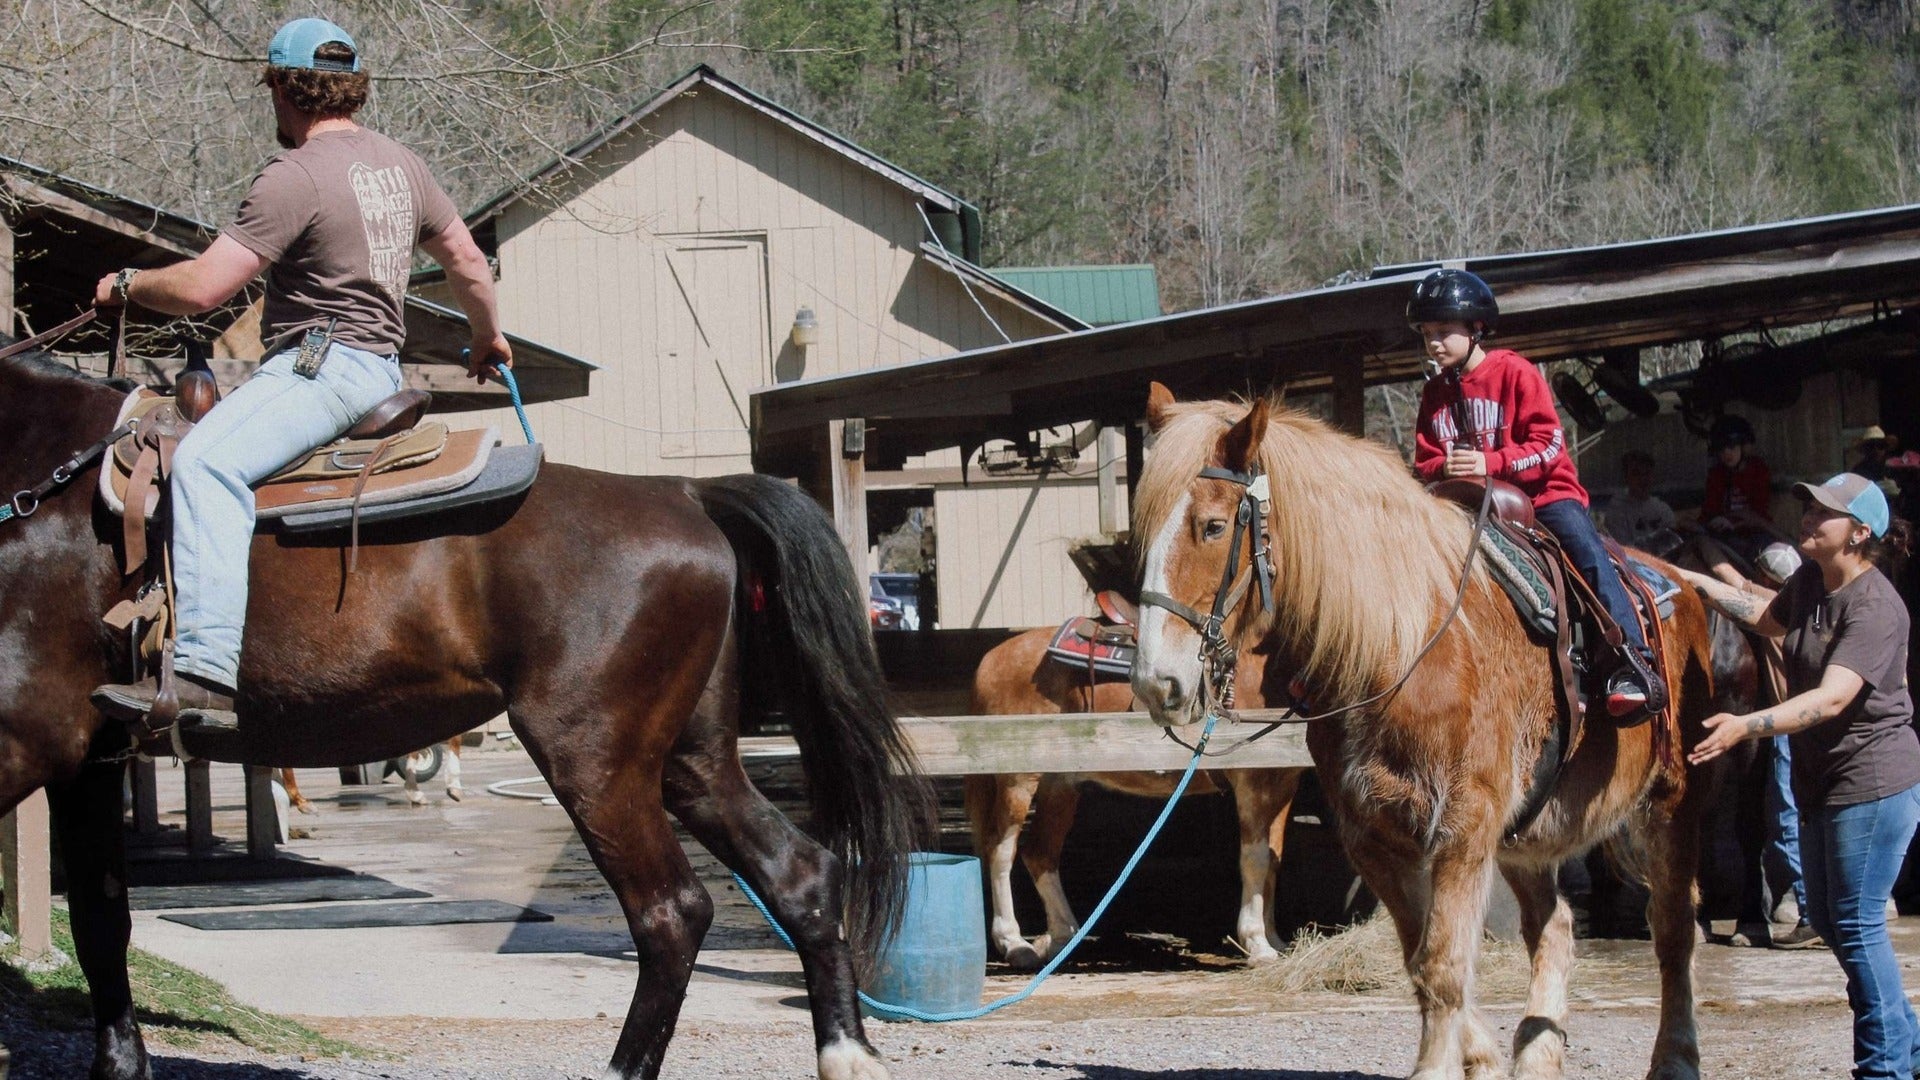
x=806 y=650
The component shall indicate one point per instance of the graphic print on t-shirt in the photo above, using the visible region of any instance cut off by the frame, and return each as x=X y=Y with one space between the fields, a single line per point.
x=386 y=209
x=1486 y=416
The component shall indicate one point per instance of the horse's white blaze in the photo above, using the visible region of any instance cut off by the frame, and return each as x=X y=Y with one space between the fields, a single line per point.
x=1168 y=660
x=844 y=1059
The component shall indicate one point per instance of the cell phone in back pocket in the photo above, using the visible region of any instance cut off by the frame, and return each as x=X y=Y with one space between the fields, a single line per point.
x=313 y=351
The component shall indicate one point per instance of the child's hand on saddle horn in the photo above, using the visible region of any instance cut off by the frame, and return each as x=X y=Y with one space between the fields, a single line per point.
x=1464 y=462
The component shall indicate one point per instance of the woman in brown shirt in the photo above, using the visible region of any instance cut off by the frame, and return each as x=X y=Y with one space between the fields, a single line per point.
x=1856 y=760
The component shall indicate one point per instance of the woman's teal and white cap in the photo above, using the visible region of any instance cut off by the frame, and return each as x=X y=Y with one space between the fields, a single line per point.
x=294 y=45
x=1853 y=495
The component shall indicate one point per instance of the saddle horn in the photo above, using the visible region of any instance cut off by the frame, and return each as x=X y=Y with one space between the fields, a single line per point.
x=196 y=391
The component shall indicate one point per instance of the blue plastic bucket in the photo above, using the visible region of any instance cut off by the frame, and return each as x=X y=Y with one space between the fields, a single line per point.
x=937 y=962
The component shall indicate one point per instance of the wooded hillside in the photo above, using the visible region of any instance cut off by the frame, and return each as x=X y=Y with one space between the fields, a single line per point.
x=1242 y=146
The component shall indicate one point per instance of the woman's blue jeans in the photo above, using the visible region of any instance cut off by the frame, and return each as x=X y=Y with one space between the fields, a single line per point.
x=266 y=422
x=1850 y=856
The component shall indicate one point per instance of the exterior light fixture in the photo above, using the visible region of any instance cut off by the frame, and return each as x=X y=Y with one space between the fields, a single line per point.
x=806 y=328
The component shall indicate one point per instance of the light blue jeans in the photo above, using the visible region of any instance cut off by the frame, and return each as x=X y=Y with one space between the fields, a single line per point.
x=259 y=428
x=1850 y=855
x=1783 y=839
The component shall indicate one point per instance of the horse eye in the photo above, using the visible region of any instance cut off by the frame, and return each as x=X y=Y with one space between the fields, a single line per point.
x=1216 y=528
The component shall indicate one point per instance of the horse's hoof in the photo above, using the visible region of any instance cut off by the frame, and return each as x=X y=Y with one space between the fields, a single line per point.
x=414 y=798
x=845 y=1059
x=305 y=807
x=455 y=794
x=1261 y=954
x=1024 y=957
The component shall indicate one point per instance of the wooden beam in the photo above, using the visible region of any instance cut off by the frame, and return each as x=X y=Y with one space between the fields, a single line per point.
x=199 y=807
x=848 y=473
x=27 y=873
x=1350 y=395
x=263 y=819
x=34 y=196
x=146 y=796
x=1087 y=742
x=1109 y=450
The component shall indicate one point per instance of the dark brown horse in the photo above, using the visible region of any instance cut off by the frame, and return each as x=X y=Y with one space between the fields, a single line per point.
x=625 y=624
x=1429 y=766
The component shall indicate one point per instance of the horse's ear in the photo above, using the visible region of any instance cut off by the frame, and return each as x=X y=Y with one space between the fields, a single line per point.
x=1159 y=401
x=1241 y=444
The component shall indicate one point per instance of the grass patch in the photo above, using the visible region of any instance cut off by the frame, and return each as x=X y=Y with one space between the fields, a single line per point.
x=176 y=1006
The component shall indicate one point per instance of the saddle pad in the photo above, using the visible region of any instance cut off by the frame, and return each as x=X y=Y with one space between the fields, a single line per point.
x=1070 y=646
x=1664 y=589
x=1518 y=574
x=509 y=471
x=463 y=458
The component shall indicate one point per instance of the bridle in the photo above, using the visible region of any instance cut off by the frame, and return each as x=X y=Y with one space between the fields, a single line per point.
x=1218 y=657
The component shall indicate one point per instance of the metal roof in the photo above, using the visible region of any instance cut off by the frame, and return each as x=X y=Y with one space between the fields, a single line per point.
x=1554 y=304
x=1099 y=295
x=114 y=231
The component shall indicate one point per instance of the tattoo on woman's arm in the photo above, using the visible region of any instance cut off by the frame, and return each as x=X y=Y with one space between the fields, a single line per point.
x=1760 y=725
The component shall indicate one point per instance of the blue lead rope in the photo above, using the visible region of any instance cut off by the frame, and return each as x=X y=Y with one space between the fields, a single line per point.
x=1059 y=958
x=505 y=375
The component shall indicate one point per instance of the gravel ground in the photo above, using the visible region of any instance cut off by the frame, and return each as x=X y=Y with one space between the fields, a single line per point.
x=1341 y=1042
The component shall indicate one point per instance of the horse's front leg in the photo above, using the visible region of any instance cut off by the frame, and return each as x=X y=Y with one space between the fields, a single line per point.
x=1262 y=800
x=87 y=817
x=997 y=811
x=1453 y=1042
x=1672 y=843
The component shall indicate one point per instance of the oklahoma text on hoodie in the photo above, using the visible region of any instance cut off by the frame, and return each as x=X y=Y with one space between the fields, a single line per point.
x=1514 y=424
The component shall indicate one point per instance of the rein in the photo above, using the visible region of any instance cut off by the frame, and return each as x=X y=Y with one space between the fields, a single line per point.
x=24 y=502
x=1219 y=659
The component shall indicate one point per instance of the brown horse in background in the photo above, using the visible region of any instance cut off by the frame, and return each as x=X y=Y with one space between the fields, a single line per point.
x=1427 y=775
x=625 y=624
x=1017 y=677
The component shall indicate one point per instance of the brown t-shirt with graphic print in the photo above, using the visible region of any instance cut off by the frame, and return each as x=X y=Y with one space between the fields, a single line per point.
x=1870 y=750
x=339 y=217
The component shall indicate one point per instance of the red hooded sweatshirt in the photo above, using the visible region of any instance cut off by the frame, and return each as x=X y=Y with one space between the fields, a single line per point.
x=1511 y=412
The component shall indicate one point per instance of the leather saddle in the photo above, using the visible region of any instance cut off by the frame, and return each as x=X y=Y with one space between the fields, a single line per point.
x=1102 y=646
x=1550 y=593
x=389 y=459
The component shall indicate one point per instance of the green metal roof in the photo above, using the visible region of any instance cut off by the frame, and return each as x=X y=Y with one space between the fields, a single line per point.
x=1101 y=295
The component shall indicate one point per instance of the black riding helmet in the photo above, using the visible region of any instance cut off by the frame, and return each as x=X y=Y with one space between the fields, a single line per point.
x=1730 y=430
x=1453 y=296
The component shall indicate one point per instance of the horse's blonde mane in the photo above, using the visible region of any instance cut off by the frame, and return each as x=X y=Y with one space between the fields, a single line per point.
x=1365 y=561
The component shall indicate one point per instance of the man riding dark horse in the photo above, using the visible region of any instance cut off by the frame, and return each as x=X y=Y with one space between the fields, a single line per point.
x=332 y=222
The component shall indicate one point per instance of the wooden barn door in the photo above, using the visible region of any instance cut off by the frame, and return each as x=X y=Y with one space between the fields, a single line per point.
x=715 y=347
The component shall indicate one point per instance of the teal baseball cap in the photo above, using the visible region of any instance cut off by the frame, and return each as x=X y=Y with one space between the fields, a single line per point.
x=1853 y=495
x=294 y=45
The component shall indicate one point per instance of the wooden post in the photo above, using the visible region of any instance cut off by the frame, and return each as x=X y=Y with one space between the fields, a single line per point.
x=1136 y=461
x=839 y=483
x=199 y=807
x=146 y=797
x=6 y=276
x=25 y=866
x=263 y=819
x=1108 y=450
x=1350 y=395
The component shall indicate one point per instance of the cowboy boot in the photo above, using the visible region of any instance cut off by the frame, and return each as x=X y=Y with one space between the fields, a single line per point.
x=132 y=702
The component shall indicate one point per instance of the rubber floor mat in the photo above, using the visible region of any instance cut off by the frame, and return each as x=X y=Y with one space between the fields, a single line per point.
x=262 y=893
x=356 y=916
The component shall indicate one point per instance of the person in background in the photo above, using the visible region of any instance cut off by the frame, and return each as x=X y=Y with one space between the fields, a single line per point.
x=1738 y=507
x=1856 y=759
x=1874 y=447
x=1636 y=515
x=1774 y=566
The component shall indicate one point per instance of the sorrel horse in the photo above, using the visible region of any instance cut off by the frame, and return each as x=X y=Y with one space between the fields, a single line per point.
x=1430 y=762
x=624 y=624
x=1017 y=677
